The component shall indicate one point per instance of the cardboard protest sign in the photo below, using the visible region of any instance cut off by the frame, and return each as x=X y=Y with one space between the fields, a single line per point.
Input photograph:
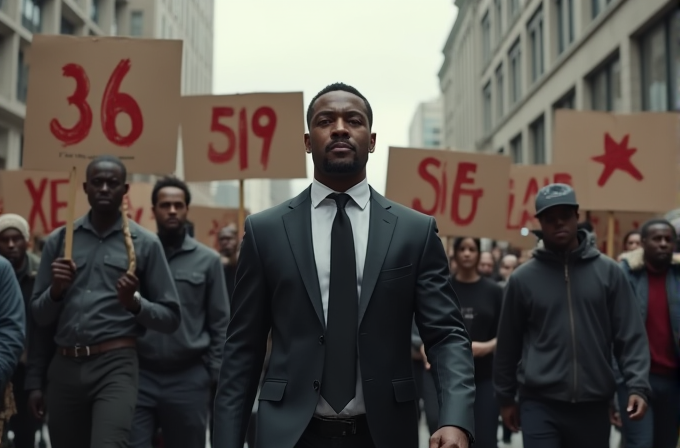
x=139 y=208
x=525 y=181
x=250 y=136
x=208 y=221
x=623 y=223
x=102 y=95
x=630 y=160
x=467 y=193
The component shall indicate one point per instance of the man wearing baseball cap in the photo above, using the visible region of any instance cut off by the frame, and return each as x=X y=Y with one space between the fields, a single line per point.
x=564 y=310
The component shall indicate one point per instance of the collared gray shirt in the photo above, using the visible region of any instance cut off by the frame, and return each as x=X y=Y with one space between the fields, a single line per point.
x=90 y=312
x=199 y=279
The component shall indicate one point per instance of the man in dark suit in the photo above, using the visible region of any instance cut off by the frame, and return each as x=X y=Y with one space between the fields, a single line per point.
x=337 y=274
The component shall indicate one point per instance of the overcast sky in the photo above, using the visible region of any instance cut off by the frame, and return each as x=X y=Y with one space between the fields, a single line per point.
x=389 y=50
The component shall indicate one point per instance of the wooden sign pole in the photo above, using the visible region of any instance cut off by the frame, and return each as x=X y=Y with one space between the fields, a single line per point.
x=70 y=214
x=241 y=207
x=610 y=235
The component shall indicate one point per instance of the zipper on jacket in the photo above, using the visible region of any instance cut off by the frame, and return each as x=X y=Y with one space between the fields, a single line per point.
x=573 y=330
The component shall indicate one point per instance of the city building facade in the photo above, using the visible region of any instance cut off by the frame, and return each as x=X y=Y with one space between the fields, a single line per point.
x=509 y=64
x=426 y=126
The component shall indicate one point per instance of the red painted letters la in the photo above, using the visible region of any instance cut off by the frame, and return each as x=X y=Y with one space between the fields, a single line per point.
x=265 y=132
x=616 y=157
x=113 y=103
x=37 y=212
x=464 y=172
x=529 y=196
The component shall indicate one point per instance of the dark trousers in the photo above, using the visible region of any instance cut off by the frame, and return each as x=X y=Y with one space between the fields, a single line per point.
x=311 y=440
x=91 y=400
x=553 y=424
x=486 y=415
x=177 y=401
x=22 y=424
x=659 y=427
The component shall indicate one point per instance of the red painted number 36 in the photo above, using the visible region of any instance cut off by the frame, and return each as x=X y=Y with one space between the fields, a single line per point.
x=113 y=103
x=265 y=132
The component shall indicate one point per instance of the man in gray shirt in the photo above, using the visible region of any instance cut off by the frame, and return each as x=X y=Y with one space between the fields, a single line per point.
x=177 y=371
x=100 y=310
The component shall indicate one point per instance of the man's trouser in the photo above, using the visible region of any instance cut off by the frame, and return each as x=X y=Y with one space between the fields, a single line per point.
x=23 y=424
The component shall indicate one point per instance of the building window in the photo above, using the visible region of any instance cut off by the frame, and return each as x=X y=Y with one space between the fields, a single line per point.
x=67 y=27
x=94 y=10
x=565 y=24
x=605 y=87
x=515 y=60
x=516 y=149
x=31 y=15
x=486 y=93
x=660 y=48
x=537 y=129
x=535 y=31
x=499 y=20
x=137 y=23
x=500 y=92
x=22 y=78
x=514 y=8
x=486 y=37
x=568 y=101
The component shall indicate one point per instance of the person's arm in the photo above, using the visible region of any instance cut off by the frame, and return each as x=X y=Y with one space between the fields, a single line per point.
x=245 y=346
x=217 y=316
x=509 y=340
x=631 y=347
x=447 y=344
x=44 y=308
x=12 y=323
x=159 y=311
x=41 y=347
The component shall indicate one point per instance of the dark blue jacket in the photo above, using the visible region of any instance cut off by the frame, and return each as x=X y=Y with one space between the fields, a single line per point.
x=12 y=322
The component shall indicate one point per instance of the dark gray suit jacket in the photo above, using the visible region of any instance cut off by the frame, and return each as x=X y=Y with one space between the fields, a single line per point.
x=277 y=288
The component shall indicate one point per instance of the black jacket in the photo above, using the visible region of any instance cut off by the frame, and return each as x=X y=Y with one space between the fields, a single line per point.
x=560 y=320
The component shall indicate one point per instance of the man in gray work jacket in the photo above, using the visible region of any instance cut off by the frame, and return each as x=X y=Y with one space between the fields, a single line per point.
x=100 y=310
x=177 y=371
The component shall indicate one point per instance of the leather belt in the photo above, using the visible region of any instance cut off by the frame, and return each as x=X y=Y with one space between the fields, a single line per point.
x=339 y=427
x=90 y=350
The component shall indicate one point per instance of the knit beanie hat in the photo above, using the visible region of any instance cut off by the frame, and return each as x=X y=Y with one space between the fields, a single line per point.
x=12 y=221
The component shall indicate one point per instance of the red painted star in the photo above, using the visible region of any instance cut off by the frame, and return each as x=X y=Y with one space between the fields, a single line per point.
x=616 y=157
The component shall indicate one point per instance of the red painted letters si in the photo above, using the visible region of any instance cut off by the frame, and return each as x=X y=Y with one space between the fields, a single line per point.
x=37 y=194
x=265 y=132
x=113 y=103
x=464 y=171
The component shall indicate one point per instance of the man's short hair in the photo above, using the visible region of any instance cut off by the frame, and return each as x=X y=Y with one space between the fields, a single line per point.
x=106 y=158
x=170 y=181
x=339 y=86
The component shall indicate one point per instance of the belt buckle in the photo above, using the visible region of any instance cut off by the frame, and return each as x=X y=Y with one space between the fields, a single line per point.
x=353 y=427
x=77 y=348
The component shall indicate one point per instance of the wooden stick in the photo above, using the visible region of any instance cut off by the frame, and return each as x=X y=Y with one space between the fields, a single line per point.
x=241 y=208
x=132 y=258
x=610 y=235
x=70 y=214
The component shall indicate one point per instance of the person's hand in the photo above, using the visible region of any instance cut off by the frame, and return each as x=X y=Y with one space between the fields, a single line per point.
x=422 y=353
x=480 y=349
x=36 y=404
x=63 y=273
x=449 y=437
x=637 y=406
x=614 y=416
x=126 y=287
x=510 y=415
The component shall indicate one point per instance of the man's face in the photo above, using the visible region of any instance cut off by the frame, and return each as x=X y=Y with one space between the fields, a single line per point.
x=485 y=266
x=105 y=187
x=508 y=265
x=339 y=136
x=227 y=241
x=658 y=245
x=171 y=209
x=13 y=246
x=559 y=225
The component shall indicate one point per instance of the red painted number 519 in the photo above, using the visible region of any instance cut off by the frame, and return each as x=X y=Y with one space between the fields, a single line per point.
x=113 y=103
x=264 y=131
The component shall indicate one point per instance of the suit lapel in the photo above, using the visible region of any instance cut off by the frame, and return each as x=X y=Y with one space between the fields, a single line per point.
x=381 y=228
x=298 y=225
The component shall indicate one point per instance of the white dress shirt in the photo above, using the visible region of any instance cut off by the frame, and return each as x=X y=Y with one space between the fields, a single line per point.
x=323 y=214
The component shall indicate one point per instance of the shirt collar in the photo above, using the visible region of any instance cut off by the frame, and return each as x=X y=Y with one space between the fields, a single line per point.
x=360 y=193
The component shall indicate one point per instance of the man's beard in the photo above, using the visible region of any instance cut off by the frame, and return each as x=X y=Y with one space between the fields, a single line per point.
x=341 y=166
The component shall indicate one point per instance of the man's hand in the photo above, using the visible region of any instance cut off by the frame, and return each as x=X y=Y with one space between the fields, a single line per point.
x=614 y=416
x=637 y=406
x=481 y=349
x=510 y=415
x=36 y=404
x=126 y=287
x=422 y=353
x=63 y=273
x=449 y=437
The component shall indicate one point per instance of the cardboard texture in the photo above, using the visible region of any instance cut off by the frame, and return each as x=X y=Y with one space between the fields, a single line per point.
x=630 y=160
x=623 y=223
x=208 y=221
x=139 y=205
x=525 y=181
x=89 y=96
x=467 y=193
x=250 y=136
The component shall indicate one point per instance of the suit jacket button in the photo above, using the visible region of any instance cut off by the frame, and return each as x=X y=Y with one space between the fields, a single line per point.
x=316 y=385
x=321 y=341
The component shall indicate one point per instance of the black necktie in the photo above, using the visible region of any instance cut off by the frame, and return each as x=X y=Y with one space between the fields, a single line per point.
x=338 y=385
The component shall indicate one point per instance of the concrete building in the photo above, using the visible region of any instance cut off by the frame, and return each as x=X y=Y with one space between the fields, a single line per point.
x=426 y=126
x=510 y=63
x=189 y=20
